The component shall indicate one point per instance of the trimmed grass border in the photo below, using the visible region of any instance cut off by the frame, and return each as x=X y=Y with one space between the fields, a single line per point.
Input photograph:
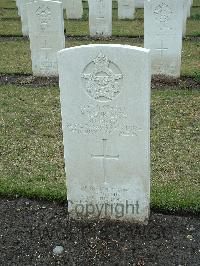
x=15 y=57
x=31 y=147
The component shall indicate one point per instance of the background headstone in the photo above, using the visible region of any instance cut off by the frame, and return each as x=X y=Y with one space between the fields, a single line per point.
x=24 y=16
x=100 y=17
x=163 y=35
x=74 y=8
x=18 y=3
x=46 y=26
x=139 y=3
x=105 y=105
x=189 y=7
x=126 y=9
x=186 y=13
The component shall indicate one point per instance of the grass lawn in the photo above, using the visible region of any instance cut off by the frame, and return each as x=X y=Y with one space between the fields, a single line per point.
x=31 y=143
x=15 y=55
x=31 y=150
x=175 y=136
x=8 y=4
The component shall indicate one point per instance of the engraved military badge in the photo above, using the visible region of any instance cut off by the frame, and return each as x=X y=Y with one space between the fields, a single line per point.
x=162 y=13
x=102 y=79
x=44 y=15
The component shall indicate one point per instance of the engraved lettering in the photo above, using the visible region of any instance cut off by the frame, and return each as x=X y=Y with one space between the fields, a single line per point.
x=104 y=119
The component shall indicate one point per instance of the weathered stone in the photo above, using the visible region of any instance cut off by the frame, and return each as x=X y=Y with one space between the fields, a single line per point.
x=100 y=17
x=126 y=9
x=105 y=103
x=74 y=8
x=163 y=35
x=46 y=30
x=139 y=3
x=24 y=16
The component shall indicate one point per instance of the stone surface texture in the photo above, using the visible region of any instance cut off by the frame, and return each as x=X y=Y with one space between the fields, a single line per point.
x=139 y=3
x=105 y=105
x=100 y=18
x=74 y=8
x=18 y=3
x=163 y=35
x=46 y=31
x=24 y=16
x=126 y=9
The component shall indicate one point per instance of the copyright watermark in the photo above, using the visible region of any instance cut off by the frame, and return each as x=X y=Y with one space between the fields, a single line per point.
x=119 y=210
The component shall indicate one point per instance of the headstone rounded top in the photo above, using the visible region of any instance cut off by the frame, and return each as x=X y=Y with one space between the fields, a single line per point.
x=108 y=46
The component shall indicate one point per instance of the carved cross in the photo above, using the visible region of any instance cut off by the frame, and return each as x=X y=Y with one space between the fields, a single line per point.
x=161 y=49
x=100 y=9
x=104 y=157
x=45 y=48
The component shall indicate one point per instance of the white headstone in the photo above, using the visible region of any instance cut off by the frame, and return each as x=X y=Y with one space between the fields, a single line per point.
x=46 y=28
x=18 y=3
x=163 y=35
x=139 y=3
x=24 y=16
x=186 y=14
x=126 y=9
x=189 y=7
x=74 y=8
x=105 y=104
x=100 y=17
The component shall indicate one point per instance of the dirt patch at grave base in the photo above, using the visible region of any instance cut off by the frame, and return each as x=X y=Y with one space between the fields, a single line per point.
x=162 y=82
x=158 y=82
x=28 y=80
x=31 y=229
x=12 y=37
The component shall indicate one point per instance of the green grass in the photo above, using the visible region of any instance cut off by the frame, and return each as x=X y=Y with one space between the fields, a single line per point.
x=15 y=55
x=196 y=3
x=31 y=143
x=175 y=136
x=32 y=152
x=9 y=14
x=7 y=4
x=191 y=58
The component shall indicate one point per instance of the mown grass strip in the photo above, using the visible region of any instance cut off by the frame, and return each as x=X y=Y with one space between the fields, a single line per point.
x=15 y=55
x=31 y=147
